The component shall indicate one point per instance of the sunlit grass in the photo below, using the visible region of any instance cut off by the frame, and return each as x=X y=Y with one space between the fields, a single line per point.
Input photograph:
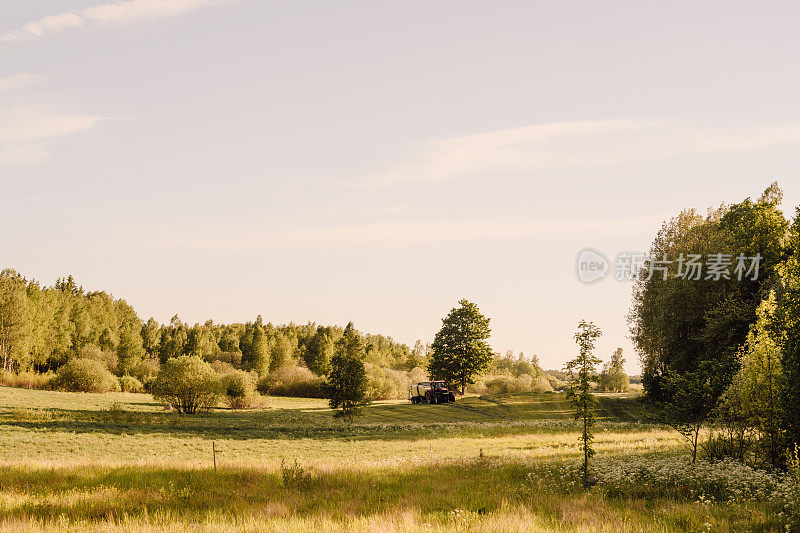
x=72 y=461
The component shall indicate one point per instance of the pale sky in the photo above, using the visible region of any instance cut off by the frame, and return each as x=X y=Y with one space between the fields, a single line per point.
x=378 y=161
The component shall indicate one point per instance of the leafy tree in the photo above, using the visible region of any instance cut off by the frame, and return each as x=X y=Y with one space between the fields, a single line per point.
x=200 y=342
x=174 y=338
x=682 y=325
x=613 y=377
x=255 y=347
x=582 y=370
x=188 y=384
x=130 y=351
x=762 y=381
x=318 y=351
x=460 y=351
x=787 y=327
x=150 y=336
x=281 y=352
x=693 y=399
x=15 y=323
x=346 y=387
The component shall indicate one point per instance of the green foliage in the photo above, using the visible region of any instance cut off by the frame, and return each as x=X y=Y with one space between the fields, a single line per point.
x=15 y=323
x=791 y=495
x=755 y=397
x=682 y=325
x=293 y=475
x=85 y=375
x=239 y=388
x=508 y=384
x=255 y=347
x=130 y=384
x=613 y=377
x=292 y=381
x=187 y=384
x=582 y=370
x=281 y=352
x=95 y=353
x=386 y=384
x=787 y=327
x=319 y=349
x=693 y=399
x=460 y=351
x=346 y=387
x=26 y=380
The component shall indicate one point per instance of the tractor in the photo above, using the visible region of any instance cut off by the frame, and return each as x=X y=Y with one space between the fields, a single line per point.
x=431 y=392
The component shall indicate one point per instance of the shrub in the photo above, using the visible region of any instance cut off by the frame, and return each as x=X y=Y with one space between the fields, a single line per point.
x=295 y=381
x=146 y=371
x=293 y=475
x=232 y=358
x=130 y=384
x=93 y=352
x=417 y=374
x=508 y=384
x=222 y=368
x=790 y=491
x=539 y=384
x=501 y=385
x=187 y=384
x=555 y=382
x=676 y=476
x=386 y=384
x=26 y=380
x=239 y=388
x=85 y=375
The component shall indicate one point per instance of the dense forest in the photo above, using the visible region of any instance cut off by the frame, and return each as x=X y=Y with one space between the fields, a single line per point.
x=43 y=327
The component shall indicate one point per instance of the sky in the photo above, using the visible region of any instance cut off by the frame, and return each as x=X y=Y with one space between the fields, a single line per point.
x=378 y=161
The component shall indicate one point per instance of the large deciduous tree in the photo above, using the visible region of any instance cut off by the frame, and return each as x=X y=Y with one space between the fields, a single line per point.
x=685 y=324
x=459 y=350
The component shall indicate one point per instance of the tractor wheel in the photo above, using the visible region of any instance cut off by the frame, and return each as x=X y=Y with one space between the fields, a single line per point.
x=452 y=397
x=428 y=397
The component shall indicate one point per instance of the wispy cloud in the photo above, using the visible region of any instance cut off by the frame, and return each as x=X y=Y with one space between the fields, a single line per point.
x=391 y=234
x=25 y=138
x=567 y=144
x=112 y=13
x=18 y=81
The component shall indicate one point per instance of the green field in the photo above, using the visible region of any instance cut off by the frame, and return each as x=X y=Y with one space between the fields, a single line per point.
x=119 y=462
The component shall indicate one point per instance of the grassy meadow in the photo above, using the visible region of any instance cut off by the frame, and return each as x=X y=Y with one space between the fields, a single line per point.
x=119 y=462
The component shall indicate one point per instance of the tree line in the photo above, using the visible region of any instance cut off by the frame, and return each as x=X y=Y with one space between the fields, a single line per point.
x=43 y=327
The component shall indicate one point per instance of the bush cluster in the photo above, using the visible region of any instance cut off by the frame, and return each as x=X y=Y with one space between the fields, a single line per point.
x=85 y=375
x=507 y=384
x=130 y=384
x=188 y=384
x=239 y=388
x=386 y=384
x=26 y=380
x=93 y=352
x=294 y=381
